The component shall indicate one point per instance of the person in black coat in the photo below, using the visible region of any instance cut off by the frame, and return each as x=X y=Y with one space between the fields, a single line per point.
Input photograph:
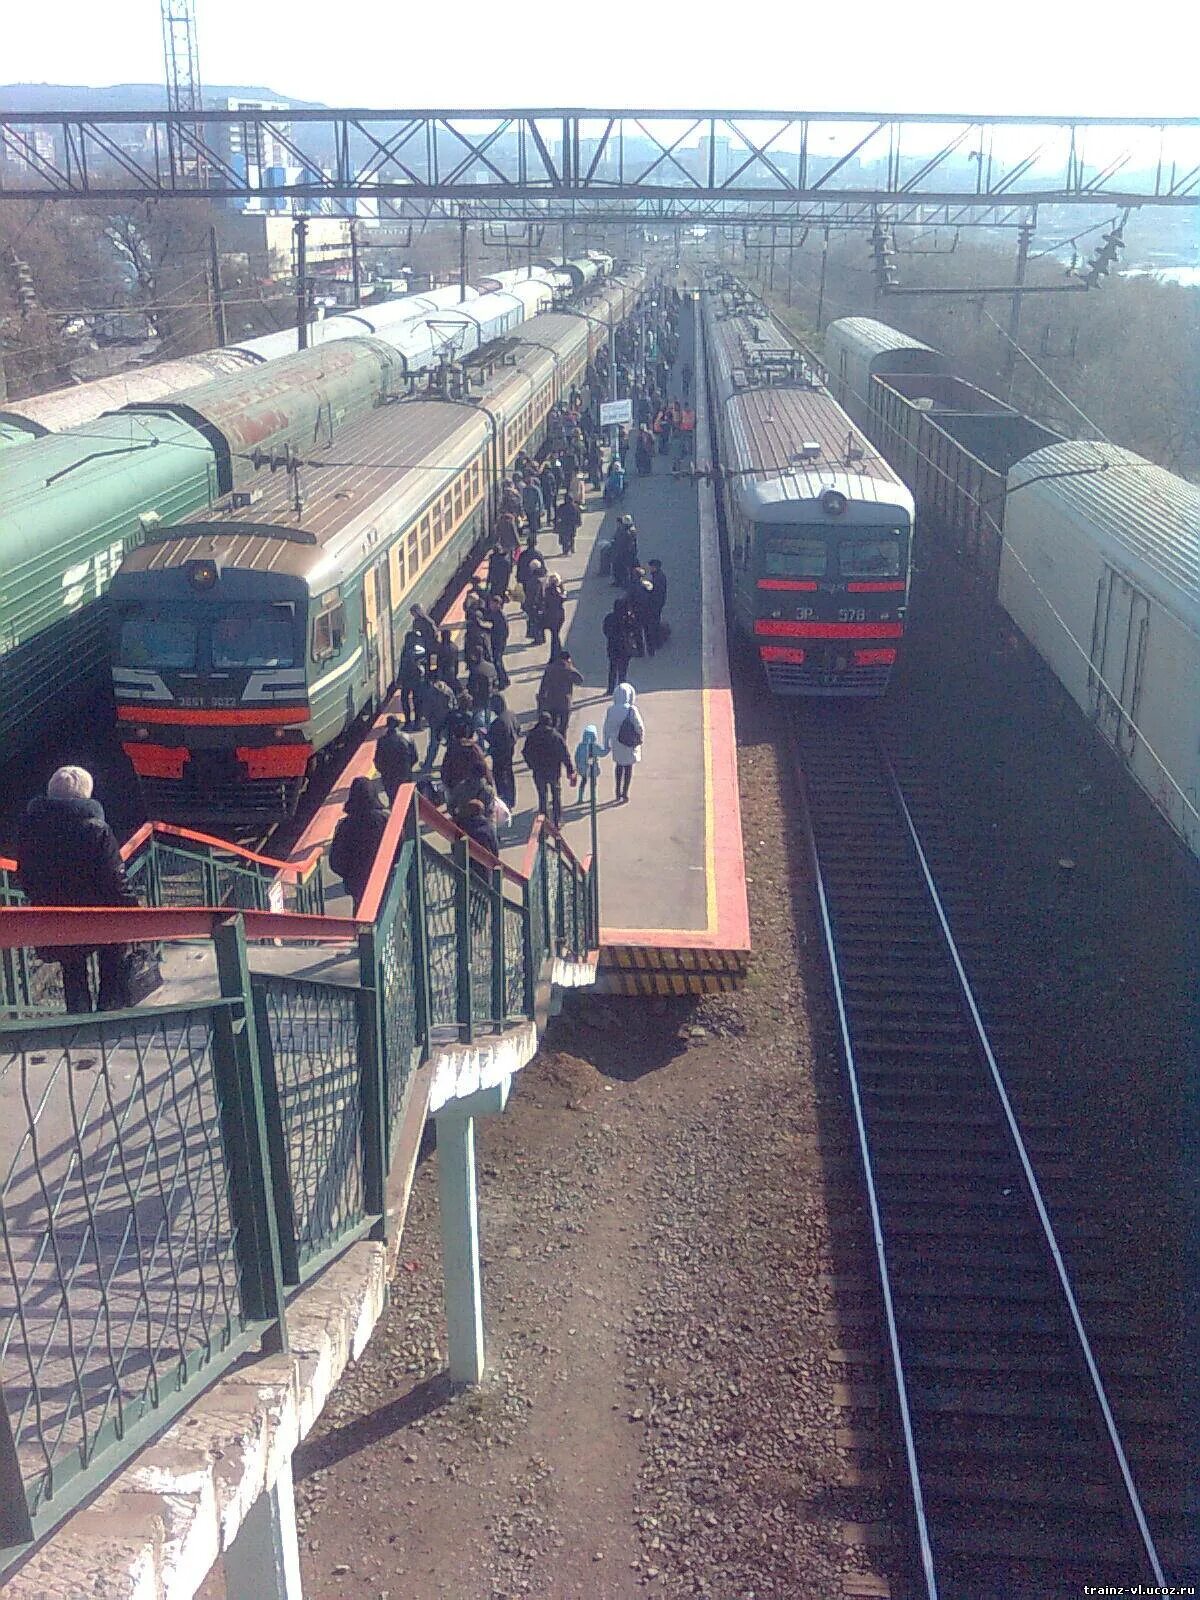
x=567 y=518
x=547 y=757
x=481 y=678
x=424 y=627
x=357 y=838
x=554 y=612
x=396 y=757
x=477 y=825
x=476 y=634
x=497 y=624
x=448 y=657
x=67 y=855
x=499 y=572
x=503 y=733
x=658 y=602
x=619 y=641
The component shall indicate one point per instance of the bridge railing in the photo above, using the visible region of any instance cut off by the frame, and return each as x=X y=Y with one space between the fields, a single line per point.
x=170 y=1174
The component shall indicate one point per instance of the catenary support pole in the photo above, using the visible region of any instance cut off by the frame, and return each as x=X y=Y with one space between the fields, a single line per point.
x=263 y=1562
x=220 y=330
x=1024 y=238
x=824 y=269
x=355 y=268
x=301 y=231
x=462 y=259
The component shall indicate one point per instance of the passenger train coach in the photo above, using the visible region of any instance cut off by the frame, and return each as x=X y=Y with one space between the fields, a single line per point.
x=248 y=640
x=818 y=526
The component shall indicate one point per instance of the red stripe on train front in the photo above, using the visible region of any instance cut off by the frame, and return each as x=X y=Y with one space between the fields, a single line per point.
x=789 y=583
x=892 y=586
x=188 y=717
x=776 y=628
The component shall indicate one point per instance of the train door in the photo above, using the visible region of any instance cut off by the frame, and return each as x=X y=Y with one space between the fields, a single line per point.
x=1117 y=668
x=377 y=625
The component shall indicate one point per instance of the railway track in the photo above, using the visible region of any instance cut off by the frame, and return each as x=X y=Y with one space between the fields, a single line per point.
x=1020 y=1479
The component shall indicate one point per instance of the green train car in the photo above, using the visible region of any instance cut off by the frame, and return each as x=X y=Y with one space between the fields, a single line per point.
x=249 y=642
x=73 y=505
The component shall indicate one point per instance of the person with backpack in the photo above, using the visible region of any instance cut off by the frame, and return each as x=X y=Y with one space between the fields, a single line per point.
x=624 y=734
x=436 y=703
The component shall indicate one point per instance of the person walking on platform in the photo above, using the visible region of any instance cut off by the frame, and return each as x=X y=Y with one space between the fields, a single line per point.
x=550 y=482
x=413 y=662
x=587 y=761
x=643 y=452
x=554 y=613
x=559 y=683
x=510 y=498
x=503 y=733
x=480 y=828
x=499 y=572
x=525 y=560
x=507 y=532
x=67 y=855
x=655 y=631
x=535 y=597
x=424 y=627
x=624 y=551
x=396 y=757
x=686 y=376
x=624 y=734
x=533 y=504
x=567 y=518
x=357 y=838
x=477 y=635
x=447 y=660
x=618 y=641
x=436 y=703
x=482 y=681
x=497 y=624
x=595 y=464
x=547 y=757
x=641 y=605
x=464 y=759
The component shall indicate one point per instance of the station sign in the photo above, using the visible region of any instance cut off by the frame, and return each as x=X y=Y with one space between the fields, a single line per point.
x=614 y=412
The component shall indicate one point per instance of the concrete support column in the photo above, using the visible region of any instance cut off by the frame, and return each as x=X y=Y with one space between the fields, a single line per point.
x=263 y=1562
x=458 y=1203
x=460 y=1245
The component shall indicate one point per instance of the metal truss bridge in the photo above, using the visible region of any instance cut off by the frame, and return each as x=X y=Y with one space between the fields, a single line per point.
x=678 y=167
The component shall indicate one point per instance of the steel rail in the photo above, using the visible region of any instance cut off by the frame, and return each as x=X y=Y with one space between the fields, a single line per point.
x=864 y=1148
x=1132 y=1498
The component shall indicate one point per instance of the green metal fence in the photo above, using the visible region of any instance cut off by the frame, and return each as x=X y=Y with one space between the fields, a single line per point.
x=172 y=1172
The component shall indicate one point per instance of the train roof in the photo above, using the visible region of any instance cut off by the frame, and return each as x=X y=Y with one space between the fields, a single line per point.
x=81 y=403
x=1144 y=518
x=771 y=427
x=874 y=338
x=395 y=453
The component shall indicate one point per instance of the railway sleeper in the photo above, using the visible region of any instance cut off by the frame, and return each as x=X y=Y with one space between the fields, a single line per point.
x=1057 y=1540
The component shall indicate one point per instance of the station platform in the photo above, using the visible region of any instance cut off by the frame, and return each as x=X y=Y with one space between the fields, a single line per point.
x=673 y=910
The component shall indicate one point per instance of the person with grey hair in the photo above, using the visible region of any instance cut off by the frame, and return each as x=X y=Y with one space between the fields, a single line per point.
x=69 y=856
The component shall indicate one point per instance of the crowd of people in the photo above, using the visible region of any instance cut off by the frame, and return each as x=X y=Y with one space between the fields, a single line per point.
x=454 y=686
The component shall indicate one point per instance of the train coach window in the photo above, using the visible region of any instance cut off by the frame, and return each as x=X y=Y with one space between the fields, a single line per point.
x=157 y=637
x=870 y=558
x=254 y=636
x=329 y=632
x=793 y=556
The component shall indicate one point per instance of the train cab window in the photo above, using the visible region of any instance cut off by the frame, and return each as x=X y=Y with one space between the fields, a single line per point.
x=254 y=636
x=874 y=557
x=329 y=631
x=790 y=554
x=158 y=636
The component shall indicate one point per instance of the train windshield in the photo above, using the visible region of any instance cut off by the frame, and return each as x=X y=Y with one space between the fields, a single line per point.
x=254 y=636
x=789 y=553
x=872 y=555
x=158 y=636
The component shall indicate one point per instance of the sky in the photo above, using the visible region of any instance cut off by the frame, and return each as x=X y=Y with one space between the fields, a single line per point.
x=1024 y=56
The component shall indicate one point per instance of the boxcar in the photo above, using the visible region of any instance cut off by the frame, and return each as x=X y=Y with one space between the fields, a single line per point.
x=1101 y=572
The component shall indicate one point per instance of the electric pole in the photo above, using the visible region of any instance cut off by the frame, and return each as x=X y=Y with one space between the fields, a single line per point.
x=824 y=267
x=462 y=258
x=301 y=231
x=218 y=301
x=355 y=274
x=1024 y=235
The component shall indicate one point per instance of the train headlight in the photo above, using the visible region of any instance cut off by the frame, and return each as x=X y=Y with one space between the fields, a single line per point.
x=833 y=502
x=141 y=733
x=202 y=574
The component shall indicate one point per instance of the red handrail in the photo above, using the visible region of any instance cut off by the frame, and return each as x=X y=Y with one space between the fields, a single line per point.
x=48 y=926
x=296 y=870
